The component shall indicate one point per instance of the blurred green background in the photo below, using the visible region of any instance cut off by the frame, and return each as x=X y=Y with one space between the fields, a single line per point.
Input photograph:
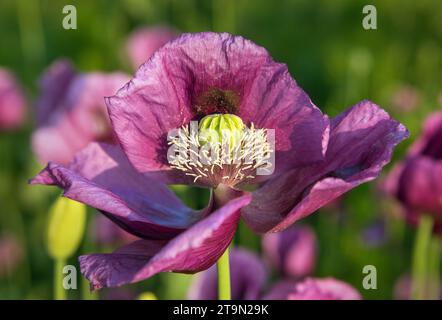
x=328 y=52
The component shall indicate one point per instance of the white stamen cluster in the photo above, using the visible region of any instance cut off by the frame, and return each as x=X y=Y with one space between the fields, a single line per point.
x=216 y=161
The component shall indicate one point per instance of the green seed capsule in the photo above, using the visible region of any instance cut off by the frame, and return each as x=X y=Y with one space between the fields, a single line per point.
x=221 y=128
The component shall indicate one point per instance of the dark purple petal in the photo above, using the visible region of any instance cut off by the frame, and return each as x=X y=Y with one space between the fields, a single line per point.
x=292 y=252
x=248 y=277
x=192 y=251
x=12 y=102
x=166 y=91
x=100 y=176
x=313 y=289
x=361 y=143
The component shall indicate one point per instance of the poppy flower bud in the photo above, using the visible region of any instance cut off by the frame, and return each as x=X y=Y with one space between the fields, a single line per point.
x=147 y=296
x=67 y=219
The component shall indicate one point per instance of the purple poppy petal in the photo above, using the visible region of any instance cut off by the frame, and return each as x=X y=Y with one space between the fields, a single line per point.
x=275 y=101
x=194 y=250
x=246 y=285
x=101 y=177
x=165 y=95
x=361 y=143
x=12 y=102
x=313 y=289
x=292 y=252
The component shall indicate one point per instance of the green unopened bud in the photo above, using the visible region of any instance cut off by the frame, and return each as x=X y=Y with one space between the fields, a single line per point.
x=147 y=296
x=221 y=128
x=67 y=219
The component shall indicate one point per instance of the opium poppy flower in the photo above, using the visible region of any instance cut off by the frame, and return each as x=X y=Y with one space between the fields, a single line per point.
x=285 y=158
x=416 y=182
x=71 y=111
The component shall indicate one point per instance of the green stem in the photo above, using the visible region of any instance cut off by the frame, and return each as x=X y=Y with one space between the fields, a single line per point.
x=223 y=194
x=224 y=276
x=420 y=258
x=434 y=268
x=59 y=291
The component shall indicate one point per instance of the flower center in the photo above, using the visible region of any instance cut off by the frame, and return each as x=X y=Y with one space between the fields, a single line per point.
x=216 y=100
x=221 y=150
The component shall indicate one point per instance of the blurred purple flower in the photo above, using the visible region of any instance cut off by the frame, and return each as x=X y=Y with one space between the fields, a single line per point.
x=143 y=42
x=317 y=159
x=248 y=277
x=12 y=102
x=71 y=111
x=416 y=181
x=375 y=234
x=11 y=254
x=292 y=252
x=313 y=289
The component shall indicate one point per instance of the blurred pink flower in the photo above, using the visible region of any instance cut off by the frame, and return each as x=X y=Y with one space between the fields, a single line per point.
x=313 y=289
x=143 y=42
x=12 y=102
x=416 y=182
x=71 y=111
x=11 y=254
x=405 y=99
x=292 y=252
